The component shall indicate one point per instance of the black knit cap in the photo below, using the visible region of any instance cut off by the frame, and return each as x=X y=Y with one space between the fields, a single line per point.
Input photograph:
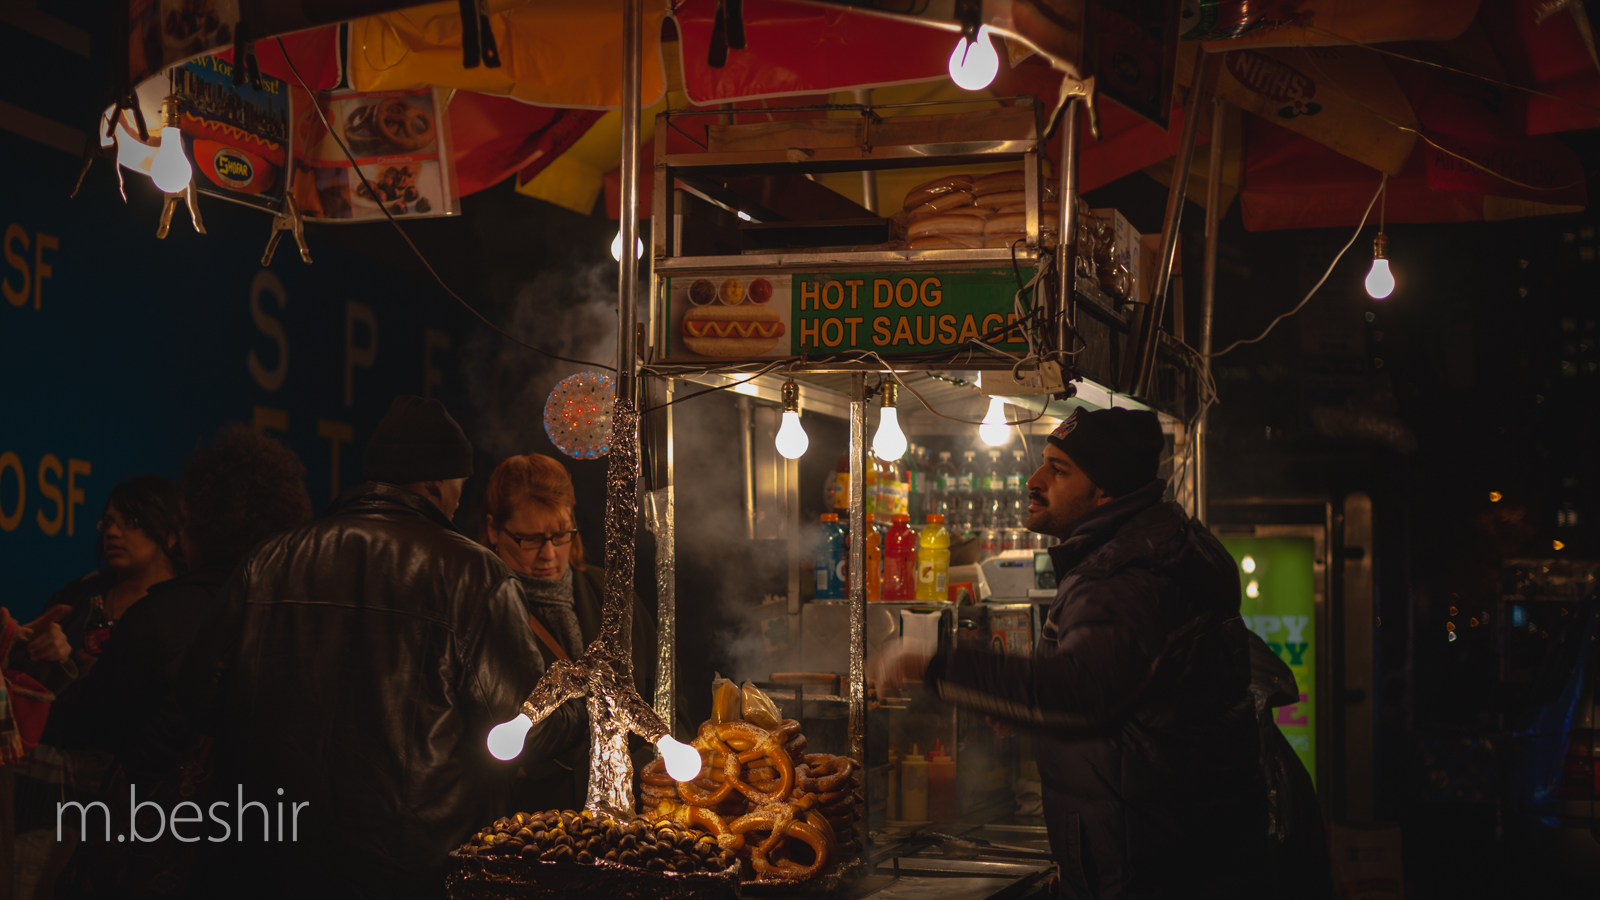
x=417 y=441
x=1119 y=449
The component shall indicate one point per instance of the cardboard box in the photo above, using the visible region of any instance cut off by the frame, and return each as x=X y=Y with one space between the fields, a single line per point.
x=1125 y=247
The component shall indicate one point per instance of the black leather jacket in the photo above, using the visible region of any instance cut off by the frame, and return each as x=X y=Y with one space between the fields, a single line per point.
x=358 y=664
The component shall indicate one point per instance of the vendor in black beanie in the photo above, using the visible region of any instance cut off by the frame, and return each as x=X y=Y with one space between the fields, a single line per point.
x=357 y=669
x=1137 y=690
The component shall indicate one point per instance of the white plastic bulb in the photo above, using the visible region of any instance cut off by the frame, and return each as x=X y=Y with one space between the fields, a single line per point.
x=616 y=247
x=889 y=442
x=792 y=440
x=683 y=761
x=170 y=170
x=994 y=429
x=1380 y=281
x=505 y=739
x=1248 y=564
x=973 y=64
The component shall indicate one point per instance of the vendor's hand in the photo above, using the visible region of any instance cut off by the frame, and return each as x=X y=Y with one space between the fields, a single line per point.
x=893 y=667
x=1002 y=728
x=44 y=638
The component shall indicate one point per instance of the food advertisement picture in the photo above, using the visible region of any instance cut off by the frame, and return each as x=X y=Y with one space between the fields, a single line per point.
x=398 y=139
x=164 y=32
x=237 y=137
x=727 y=316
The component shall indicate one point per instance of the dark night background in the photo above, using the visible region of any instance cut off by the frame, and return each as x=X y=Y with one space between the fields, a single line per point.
x=1484 y=359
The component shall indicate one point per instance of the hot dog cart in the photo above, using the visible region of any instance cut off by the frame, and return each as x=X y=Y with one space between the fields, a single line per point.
x=764 y=282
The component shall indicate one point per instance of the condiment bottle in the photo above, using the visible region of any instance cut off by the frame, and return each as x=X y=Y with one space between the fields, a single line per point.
x=933 y=562
x=914 y=787
x=891 y=802
x=941 y=785
x=873 y=554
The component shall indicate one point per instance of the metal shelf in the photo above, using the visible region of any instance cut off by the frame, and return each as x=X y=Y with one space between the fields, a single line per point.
x=809 y=260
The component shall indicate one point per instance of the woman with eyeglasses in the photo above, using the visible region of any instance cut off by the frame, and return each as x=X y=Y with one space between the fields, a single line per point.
x=528 y=522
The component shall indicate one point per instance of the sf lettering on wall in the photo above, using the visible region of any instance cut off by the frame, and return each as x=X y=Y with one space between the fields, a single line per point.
x=28 y=267
x=60 y=487
x=904 y=314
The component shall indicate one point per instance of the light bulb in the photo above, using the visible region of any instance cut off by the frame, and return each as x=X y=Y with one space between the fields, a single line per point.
x=616 y=247
x=792 y=440
x=994 y=429
x=1380 y=281
x=505 y=739
x=1252 y=590
x=1248 y=564
x=683 y=761
x=171 y=170
x=890 y=442
x=973 y=64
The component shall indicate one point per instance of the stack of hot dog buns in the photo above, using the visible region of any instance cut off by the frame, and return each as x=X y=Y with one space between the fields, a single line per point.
x=963 y=211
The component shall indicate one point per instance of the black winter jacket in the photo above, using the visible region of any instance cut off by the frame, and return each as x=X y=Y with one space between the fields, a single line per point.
x=358 y=665
x=1137 y=694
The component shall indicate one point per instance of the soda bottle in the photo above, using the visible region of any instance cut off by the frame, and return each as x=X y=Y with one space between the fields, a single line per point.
x=942 y=500
x=933 y=562
x=966 y=499
x=831 y=559
x=900 y=562
x=921 y=486
x=837 y=491
x=1017 y=490
x=872 y=477
x=96 y=628
x=994 y=501
x=873 y=553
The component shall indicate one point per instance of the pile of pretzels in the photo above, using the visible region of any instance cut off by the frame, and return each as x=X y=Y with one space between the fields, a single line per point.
x=966 y=211
x=789 y=815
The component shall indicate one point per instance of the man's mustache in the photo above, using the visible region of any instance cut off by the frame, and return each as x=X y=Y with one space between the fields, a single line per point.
x=1036 y=497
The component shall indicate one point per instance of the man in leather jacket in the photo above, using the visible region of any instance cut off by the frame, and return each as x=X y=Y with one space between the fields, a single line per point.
x=1137 y=692
x=353 y=675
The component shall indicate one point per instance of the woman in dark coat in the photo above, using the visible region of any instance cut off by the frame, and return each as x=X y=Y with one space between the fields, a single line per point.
x=528 y=521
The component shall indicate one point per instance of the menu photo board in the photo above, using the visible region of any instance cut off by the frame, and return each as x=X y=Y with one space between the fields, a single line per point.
x=236 y=136
x=734 y=315
x=1277 y=576
x=399 y=140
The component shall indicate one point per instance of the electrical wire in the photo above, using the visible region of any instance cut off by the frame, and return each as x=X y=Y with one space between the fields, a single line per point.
x=1311 y=293
x=407 y=238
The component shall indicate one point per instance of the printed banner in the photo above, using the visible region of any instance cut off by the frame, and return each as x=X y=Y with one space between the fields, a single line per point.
x=1278 y=577
x=162 y=33
x=236 y=137
x=751 y=316
x=399 y=140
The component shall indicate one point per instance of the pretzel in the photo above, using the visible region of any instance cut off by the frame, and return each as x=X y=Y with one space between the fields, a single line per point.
x=823 y=773
x=786 y=820
x=402 y=124
x=716 y=741
x=698 y=817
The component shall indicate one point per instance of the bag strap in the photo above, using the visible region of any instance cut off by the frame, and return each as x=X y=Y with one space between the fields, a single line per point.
x=546 y=638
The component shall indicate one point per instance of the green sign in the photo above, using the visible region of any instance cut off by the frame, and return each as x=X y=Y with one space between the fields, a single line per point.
x=891 y=313
x=1278 y=579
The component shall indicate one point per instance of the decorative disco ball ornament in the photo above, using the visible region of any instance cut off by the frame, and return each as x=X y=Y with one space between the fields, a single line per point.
x=578 y=415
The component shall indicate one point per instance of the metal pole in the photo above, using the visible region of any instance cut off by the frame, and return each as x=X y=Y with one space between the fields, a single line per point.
x=666 y=578
x=1169 y=229
x=1067 y=240
x=747 y=472
x=869 y=177
x=1208 y=296
x=858 y=562
x=627 y=267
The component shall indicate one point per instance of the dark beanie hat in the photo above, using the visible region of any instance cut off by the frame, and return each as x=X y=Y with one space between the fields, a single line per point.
x=1119 y=449
x=417 y=441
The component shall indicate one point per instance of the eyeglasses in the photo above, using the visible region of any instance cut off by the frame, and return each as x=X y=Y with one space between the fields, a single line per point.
x=126 y=524
x=536 y=542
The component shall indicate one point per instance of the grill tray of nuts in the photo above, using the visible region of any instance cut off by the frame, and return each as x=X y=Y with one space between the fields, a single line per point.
x=552 y=854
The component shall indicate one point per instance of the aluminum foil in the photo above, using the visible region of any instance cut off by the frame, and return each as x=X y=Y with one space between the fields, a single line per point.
x=604 y=673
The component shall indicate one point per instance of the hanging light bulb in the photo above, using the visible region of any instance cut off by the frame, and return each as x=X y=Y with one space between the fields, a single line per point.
x=995 y=430
x=973 y=64
x=171 y=170
x=890 y=442
x=505 y=739
x=1248 y=564
x=683 y=761
x=1380 y=281
x=616 y=247
x=791 y=441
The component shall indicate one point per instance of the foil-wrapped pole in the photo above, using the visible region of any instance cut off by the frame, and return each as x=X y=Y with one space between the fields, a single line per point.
x=858 y=586
x=660 y=517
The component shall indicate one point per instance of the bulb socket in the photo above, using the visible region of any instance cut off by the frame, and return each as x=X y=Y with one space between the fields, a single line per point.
x=169 y=111
x=790 y=394
x=891 y=394
x=1380 y=246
